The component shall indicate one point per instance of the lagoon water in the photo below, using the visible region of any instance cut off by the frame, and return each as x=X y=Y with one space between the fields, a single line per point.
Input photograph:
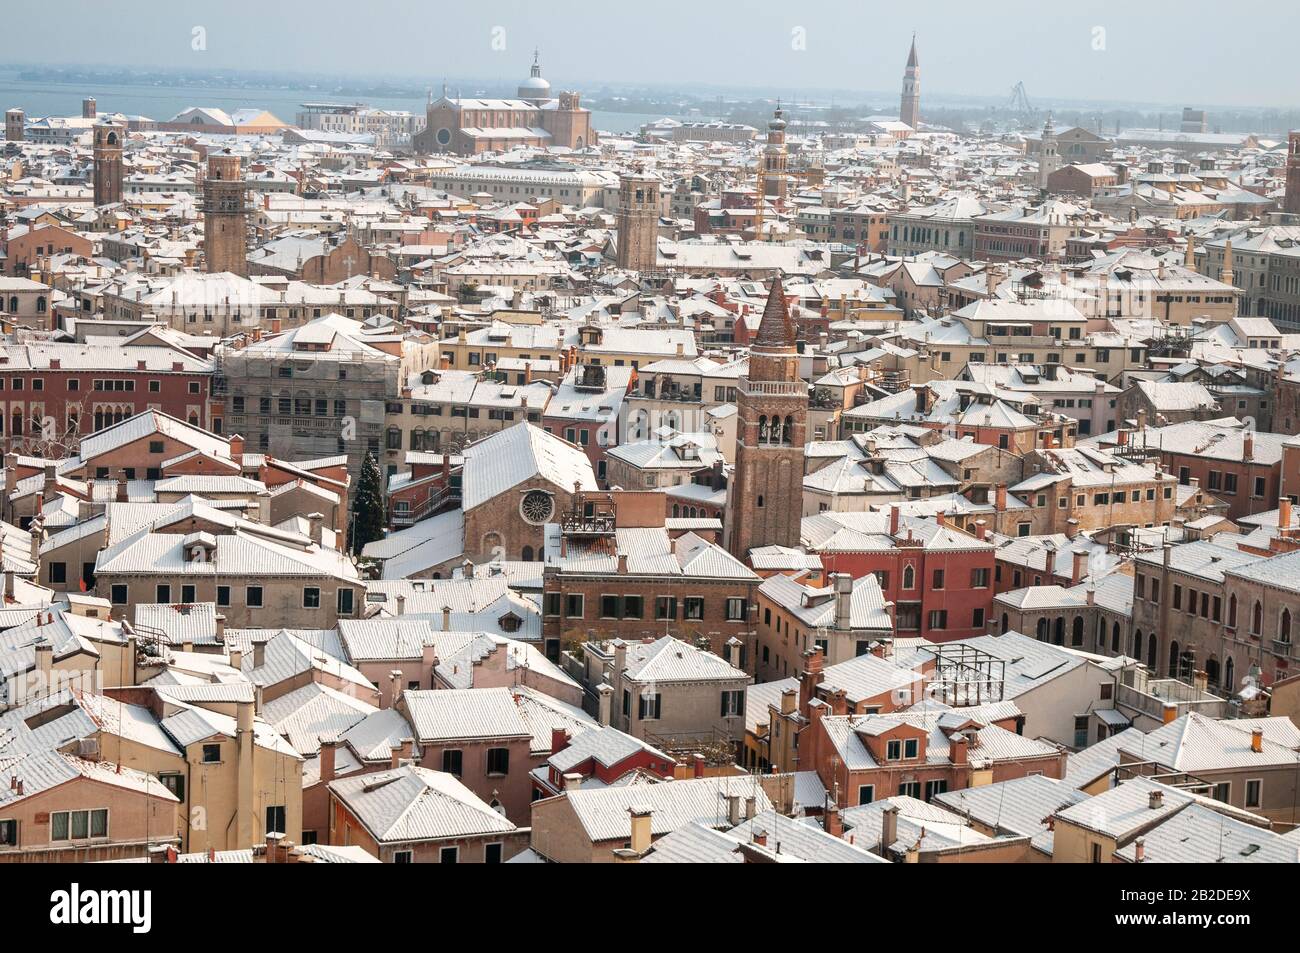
x=44 y=98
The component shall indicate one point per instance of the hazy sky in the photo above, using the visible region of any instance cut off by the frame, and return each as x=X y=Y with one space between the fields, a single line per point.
x=1195 y=52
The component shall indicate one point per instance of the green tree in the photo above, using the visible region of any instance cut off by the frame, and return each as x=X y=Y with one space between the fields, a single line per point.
x=368 y=506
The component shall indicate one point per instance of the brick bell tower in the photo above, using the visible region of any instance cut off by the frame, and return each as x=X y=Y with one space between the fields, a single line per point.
x=1291 y=202
x=107 y=153
x=224 y=215
x=765 y=500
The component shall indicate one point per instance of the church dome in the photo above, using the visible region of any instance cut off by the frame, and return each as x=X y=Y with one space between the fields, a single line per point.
x=534 y=84
x=534 y=87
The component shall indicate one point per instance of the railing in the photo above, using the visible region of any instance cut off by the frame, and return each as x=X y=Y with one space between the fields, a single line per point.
x=772 y=388
x=572 y=525
x=430 y=507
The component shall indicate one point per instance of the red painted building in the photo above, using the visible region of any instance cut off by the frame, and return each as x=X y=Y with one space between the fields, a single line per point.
x=939 y=579
x=51 y=394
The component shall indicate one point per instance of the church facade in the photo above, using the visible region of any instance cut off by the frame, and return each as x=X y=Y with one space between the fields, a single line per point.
x=534 y=118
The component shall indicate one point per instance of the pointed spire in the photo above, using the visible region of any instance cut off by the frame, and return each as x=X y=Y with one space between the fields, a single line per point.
x=775 y=329
x=911 y=56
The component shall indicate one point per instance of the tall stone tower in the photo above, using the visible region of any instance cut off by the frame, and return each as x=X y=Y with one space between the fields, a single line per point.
x=1292 y=201
x=775 y=158
x=1049 y=157
x=88 y=109
x=910 y=109
x=638 y=221
x=223 y=215
x=15 y=125
x=765 y=500
x=107 y=152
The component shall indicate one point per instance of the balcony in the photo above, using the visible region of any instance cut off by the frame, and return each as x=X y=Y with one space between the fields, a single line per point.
x=772 y=388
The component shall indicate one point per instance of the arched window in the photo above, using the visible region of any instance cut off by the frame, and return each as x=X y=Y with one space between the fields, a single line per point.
x=1257 y=619
x=40 y=305
x=787 y=435
x=1058 y=630
x=1284 y=626
x=1005 y=621
x=1173 y=659
x=1114 y=638
x=762 y=429
x=909 y=578
x=1212 y=672
x=1229 y=685
x=1076 y=635
x=526 y=554
x=1232 y=611
x=1041 y=629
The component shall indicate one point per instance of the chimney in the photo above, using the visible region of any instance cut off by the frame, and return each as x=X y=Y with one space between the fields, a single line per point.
x=1247 y=446
x=641 y=829
x=606 y=693
x=1050 y=569
x=1140 y=850
x=1080 y=567
x=733 y=809
x=698 y=764
x=11 y=474
x=237 y=448
x=559 y=740
x=122 y=495
x=620 y=656
x=572 y=781
x=401 y=605
x=1284 y=513
x=9 y=585
x=833 y=822
x=958 y=745
x=316 y=520
x=1071 y=528
x=893 y=520
x=732 y=649
x=940 y=518
x=51 y=480
x=981 y=529
x=810 y=678
x=259 y=654
x=1000 y=498
x=395 y=757
x=1257 y=740
x=789 y=699
x=760 y=838
x=1156 y=800
x=843 y=583
x=45 y=666
x=237 y=659
x=327 y=750
x=888 y=828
